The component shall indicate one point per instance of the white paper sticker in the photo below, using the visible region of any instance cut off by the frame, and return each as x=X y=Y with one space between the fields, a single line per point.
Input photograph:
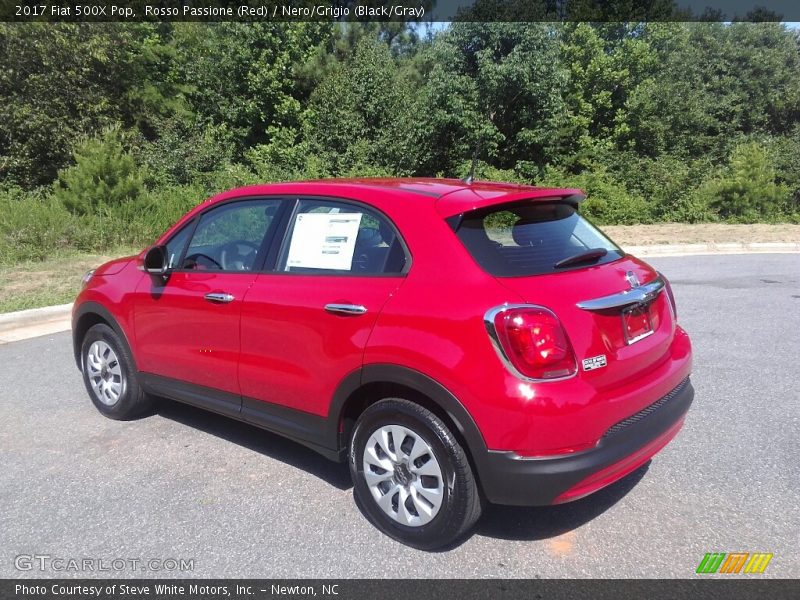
x=324 y=241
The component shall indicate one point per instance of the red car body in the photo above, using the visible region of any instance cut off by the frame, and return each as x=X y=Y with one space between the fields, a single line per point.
x=275 y=358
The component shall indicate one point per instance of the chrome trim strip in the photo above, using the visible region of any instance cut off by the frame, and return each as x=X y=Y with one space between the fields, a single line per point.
x=546 y=457
x=346 y=309
x=629 y=341
x=488 y=321
x=639 y=295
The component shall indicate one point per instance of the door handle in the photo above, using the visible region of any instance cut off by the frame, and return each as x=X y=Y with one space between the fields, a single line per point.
x=219 y=297
x=346 y=309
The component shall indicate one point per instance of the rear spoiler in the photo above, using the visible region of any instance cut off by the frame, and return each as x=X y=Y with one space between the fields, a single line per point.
x=466 y=199
x=573 y=197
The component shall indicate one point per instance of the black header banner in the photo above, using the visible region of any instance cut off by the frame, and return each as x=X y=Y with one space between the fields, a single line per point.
x=399 y=10
x=405 y=589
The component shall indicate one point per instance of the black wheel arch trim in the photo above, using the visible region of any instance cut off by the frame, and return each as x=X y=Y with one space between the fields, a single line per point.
x=95 y=308
x=419 y=382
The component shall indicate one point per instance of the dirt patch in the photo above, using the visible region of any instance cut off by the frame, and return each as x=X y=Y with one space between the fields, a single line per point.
x=562 y=545
x=703 y=233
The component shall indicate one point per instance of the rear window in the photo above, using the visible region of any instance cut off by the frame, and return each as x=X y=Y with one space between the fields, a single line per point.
x=520 y=239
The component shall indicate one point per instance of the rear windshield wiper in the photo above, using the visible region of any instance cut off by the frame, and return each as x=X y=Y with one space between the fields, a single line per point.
x=585 y=256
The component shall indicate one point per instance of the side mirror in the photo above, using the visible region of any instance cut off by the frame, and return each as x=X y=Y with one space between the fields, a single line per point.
x=156 y=262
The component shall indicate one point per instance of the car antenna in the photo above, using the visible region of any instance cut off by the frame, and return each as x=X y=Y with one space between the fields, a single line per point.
x=471 y=176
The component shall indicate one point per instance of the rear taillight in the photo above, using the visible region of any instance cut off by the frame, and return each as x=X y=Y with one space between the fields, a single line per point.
x=670 y=295
x=532 y=339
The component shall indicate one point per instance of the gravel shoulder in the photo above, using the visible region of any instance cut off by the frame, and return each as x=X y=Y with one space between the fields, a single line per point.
x=702 y=233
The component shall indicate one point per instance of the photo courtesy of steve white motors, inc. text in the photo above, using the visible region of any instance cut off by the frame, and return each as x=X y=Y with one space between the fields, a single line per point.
x=187 y=11
x=172 y=589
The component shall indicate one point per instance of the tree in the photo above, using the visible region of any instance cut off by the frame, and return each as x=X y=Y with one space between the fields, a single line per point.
x=104 y=174
x=363 y=115
x=60 y=81
x=606 y=64
x=244 y=75
x=450 y=120
x=747 y=189
x=518 y=83
x=714 y=81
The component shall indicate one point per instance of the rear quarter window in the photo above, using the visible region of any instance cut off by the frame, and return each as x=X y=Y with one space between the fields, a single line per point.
x=532 y=238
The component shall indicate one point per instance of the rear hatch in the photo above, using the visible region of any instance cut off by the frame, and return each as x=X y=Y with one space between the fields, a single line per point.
x=614 y=308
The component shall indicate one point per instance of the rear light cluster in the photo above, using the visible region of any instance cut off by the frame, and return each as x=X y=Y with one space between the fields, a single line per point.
x=534 y=342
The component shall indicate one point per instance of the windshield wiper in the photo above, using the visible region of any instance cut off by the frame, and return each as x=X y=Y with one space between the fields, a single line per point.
x=585 y=256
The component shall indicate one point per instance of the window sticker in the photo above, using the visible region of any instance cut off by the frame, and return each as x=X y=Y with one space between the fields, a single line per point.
x=324 y=241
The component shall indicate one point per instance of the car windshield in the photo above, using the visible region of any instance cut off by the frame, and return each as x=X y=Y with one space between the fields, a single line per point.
x=533 y=238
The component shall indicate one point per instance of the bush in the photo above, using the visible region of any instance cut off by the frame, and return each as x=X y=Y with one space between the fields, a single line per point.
x=785 y=154
x=139 y=223
x=33 y=226
x=104 y=174
x=165 y=206
x=746 y=190
x=485 y=171
x=607 y=201
x=284 y=158
x=668 y=184
x=182 y=151
x=226 y=178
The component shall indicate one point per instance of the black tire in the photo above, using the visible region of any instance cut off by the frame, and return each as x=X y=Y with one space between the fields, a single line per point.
x=131 y=401
x=460 y=504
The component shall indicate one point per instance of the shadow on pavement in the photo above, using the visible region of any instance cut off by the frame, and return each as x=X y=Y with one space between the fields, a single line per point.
x=259 y=440
x=540 y=523
x=520 y=523
x=501 y=522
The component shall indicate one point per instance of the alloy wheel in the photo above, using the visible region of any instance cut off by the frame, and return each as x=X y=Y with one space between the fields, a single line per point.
x=403 y=475
x=104 y=372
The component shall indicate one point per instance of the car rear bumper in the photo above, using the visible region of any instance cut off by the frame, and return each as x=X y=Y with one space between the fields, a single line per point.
x=508 y=478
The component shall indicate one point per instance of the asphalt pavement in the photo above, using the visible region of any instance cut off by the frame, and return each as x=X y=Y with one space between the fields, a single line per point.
x=238 y=502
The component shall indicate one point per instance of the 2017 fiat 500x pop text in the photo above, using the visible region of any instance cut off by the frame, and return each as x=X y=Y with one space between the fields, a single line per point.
x=457 y=343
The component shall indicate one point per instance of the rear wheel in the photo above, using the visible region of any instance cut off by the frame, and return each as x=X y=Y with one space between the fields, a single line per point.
x=109 y=375
x=411 y=476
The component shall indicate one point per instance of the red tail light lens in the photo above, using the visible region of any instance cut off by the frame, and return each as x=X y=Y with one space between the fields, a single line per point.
x=535 y=343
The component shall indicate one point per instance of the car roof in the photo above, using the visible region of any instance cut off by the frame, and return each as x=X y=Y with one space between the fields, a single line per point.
x=450 y=196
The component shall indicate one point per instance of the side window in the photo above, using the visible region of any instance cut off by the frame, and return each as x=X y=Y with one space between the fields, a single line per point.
x=176 y=245
x=230 y=237
x=329 y=236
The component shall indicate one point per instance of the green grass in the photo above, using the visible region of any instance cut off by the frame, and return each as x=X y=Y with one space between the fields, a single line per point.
x=54 y=280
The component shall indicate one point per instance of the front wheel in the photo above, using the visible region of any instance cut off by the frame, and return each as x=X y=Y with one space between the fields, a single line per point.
x=411 y=476
x=109 y=375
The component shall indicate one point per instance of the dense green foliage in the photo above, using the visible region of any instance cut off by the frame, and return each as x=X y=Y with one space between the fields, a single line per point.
x=104 y=176
x=109 y=132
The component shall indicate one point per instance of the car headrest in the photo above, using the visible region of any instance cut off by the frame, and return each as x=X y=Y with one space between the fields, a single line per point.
x=476 y=233
x=386 y=231
x=523 y=234
x=368 y=238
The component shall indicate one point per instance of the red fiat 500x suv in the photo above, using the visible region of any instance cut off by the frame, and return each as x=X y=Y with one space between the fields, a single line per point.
x=455 y=343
